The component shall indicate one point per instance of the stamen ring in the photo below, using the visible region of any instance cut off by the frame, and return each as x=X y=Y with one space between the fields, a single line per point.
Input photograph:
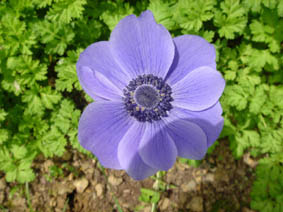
x=148 y=98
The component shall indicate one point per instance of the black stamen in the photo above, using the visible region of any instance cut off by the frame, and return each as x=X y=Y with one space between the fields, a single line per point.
x=147 y=98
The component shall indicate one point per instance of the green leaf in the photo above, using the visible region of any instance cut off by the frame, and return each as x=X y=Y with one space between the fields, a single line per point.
x=42 y=3
x=276 y=96
x=272 y=141
x=49 y=97
x=260 y=58
x=254 y=5
x=11 y=175
x=266 y=191
x=231 y=19
x=34 y=104
x=17 y=37
x=19 y=152
x=230 y=75
x=236 y=96
x=52 y=143
x=88 y=31
x=64 y=117
x=275 y=173
x=251 y=137
x=55 y=36
x=268 y=207
x=116 y=11
x=149 y=196
x=67 y=75
x=260 y=189
x=3 y=114
x=191 y=14
x=258 y=30
x=5 y=159
x=30 y=70
x=66 y=120
x=268 y=29
x=228 y=129
x=207 y=35
x=258 y=100
x=63 y=11
x=270 y=3
x=163 y=13
x=4 y=135
x=280 y=8
x=24 y=172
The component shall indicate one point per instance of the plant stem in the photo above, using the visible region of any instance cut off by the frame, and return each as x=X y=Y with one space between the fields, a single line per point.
x=156 y=187
x=28 y=197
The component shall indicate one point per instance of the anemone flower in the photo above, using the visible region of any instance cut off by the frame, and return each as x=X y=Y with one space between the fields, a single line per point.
x=156 y=97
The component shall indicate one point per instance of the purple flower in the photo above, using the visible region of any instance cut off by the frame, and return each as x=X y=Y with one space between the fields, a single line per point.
x=156 y=97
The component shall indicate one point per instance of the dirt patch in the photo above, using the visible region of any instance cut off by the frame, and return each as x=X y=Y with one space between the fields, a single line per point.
x=220 y=183
x=76 y=183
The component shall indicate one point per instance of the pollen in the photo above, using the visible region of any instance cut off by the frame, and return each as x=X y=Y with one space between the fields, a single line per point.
x=148 y=98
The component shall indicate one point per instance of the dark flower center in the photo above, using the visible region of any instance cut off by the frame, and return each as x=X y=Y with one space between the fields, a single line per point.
x=148 y=98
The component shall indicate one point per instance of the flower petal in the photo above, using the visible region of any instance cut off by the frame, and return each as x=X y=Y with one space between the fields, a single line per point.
x=96 y=85
x=101 y=127
x=198 y=90
x=99 y=74
x=156 y=148
x=210 y=120
x=189 y=138
x=191 y=52
x=128 y=154
x=142 y=46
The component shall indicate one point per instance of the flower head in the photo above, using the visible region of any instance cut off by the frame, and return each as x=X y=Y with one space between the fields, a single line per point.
x=156 y=97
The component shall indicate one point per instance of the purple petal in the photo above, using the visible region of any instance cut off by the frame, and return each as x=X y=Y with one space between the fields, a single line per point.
x=142 y=46
x=189 y=138
x=97 y=86
x=156 y=148
x=99 y=74
x=198 y=90
x=210 y=120
x=128 y=154
x=191 y=52
x=101 y=127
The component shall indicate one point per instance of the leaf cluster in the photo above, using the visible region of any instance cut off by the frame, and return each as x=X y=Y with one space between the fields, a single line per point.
x=41 y=99
x=267 y=191
x=37 y=68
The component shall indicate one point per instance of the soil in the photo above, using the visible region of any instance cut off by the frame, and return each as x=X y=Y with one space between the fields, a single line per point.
x=77 y=183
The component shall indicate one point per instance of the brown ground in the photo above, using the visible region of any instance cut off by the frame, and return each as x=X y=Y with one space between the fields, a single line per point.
x=219 y=184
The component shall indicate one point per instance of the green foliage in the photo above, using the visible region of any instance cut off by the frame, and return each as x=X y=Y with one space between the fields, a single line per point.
x=41 y=40
x=163 y=13
x=194 y=163
x=34 y=116
x=268 y=30
x=191 y=14
x=149 y=196
x=55 y=35
x=267 y=191
x=64 y=11
x=115 y=12
x=230 y=19
x=54 y=172
x=17 y=163
x=66 y=69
